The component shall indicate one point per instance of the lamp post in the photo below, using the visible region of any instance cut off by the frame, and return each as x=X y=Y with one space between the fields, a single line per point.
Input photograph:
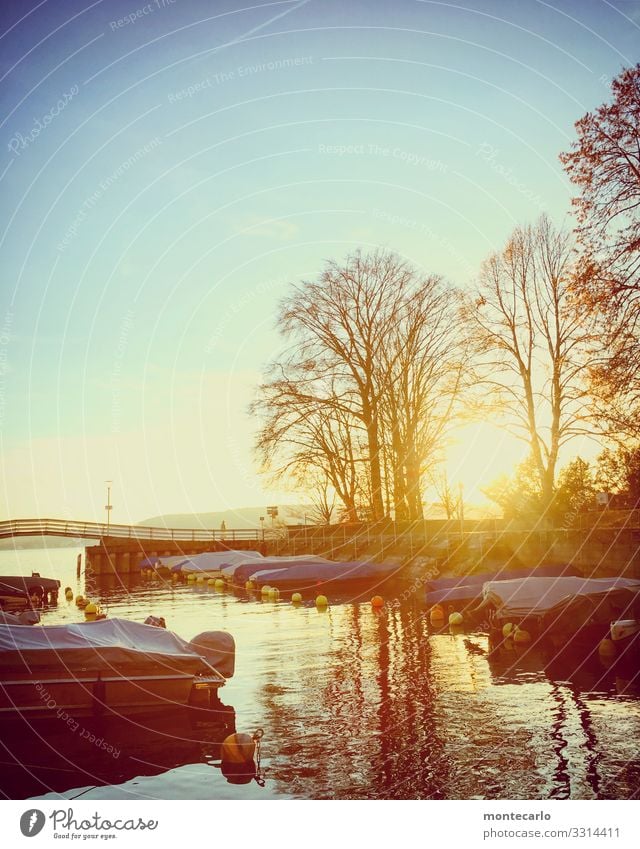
x=108 y=506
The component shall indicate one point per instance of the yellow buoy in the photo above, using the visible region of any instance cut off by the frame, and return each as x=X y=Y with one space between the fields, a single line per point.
x=377 y=601
x=607 y=648
x=274 y=593
x=219 y=584
x=296 y=598
x=238 y=748
x=191 y=577
x=322 y=601
x=82 y=602
x=211 y=582
x=174 y=577
x=200 y=579
x=91 y=610
x=249 y=585
x=507 y=629
x=68 y=595
x=79 y=599
x=456 y=618
x=236 y=755
x=521 y=636
x=265 y=589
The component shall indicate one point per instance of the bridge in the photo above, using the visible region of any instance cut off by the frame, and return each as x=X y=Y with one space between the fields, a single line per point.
x=97 y=530
x=121 y=548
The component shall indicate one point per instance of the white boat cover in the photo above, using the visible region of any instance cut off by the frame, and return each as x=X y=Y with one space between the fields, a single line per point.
x=248 y=569
x=538 y=596
x=268 y=562
x=27 y=617
x=168 y=562
x=214 y=561
x=113 y=646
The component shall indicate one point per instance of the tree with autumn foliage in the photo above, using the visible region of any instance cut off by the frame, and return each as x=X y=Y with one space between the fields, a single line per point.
x=604 y=164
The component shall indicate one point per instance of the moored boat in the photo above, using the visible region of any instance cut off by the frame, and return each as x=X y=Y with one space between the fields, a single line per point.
x=318 y=574
x=110 y=665
x=563 y=612
x=460 y=591
x=210 y=564
x=625 y=636
x=19 y=591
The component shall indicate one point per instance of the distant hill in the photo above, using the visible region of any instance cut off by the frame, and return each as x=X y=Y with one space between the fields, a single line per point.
x=289 y=514
x=239 y=517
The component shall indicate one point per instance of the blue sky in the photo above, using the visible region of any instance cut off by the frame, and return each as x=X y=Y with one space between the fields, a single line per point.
x=168 y=168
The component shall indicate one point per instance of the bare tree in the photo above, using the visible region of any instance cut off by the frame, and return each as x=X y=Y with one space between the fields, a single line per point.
x=447 y=497
x=533 y=341
x=307 y=431
x=369 y=384
x=426 y=368
x=340 y=324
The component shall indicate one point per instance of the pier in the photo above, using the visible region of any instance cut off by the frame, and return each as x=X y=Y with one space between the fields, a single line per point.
x=121 y=548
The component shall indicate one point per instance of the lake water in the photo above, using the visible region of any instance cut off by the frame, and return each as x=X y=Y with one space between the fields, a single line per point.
x=353 y=704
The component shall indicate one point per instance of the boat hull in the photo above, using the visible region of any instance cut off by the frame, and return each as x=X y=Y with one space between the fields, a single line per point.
x=92 y=696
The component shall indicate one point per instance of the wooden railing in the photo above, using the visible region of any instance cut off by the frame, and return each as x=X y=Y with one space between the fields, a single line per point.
x=97 y=530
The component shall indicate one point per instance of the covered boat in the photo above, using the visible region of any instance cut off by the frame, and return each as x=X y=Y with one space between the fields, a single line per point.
x=112 y=664
x=313 y=574
x=17 y=590
x=211 y=563
x=160 y=563
x=564 y=607
x=242 y=572
x=462 y=590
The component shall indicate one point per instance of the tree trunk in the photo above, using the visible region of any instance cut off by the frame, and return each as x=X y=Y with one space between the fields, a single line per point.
x=377 y=503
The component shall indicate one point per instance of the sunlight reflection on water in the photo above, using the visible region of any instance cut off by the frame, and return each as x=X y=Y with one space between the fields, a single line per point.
x=353 y=703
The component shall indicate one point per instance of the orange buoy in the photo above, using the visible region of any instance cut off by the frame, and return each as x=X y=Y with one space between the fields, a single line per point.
x=436 y=615
x=377 y=601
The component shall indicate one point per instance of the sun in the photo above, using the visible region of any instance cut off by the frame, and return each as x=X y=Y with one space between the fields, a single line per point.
x=481 y=453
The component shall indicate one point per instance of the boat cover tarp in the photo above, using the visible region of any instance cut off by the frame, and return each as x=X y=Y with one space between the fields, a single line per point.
x=537 y=597
x=480 y=578
x=244 y=570
x=23 y=583
x=109 y=645
x=157 y=562
x=219 y=648
x=214 y=561
x=312 y=573
x=27 y=617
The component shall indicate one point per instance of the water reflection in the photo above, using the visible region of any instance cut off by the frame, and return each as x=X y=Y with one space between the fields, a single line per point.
x=356 y=703
x=54 y=756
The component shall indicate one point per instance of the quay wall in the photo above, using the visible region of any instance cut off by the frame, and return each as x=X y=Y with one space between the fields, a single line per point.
x=595 y=549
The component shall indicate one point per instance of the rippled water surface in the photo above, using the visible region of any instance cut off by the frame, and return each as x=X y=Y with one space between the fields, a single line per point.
x=353 y=704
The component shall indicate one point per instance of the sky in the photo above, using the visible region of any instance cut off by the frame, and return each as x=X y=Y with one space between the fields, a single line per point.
x=168 y=169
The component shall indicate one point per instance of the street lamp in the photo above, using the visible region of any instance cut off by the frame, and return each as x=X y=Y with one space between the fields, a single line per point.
x=108 y=506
